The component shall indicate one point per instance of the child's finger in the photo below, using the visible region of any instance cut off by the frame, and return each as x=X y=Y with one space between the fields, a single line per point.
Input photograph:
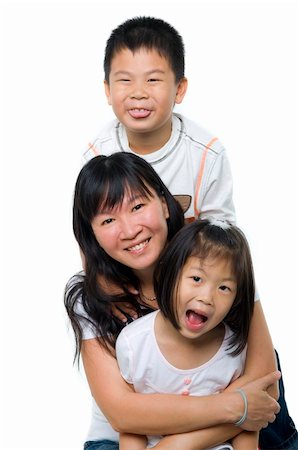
x=118 y=313
x=128 y=309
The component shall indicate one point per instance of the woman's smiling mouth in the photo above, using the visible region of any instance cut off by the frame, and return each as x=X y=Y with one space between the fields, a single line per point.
x=138 y=247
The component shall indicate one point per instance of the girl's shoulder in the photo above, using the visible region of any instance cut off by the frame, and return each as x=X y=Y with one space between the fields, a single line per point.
x=142 y=325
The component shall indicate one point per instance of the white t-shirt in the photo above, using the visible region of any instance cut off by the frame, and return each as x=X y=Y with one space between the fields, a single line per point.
x=193 y=164
x=142 y=364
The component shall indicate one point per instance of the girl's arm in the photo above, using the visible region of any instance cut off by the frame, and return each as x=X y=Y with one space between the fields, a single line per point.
x=247 y=440
x=199 y=440
x=128 y=441
x=131 y=412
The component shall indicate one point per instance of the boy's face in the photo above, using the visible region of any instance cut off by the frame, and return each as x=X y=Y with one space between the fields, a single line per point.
x=142 y=91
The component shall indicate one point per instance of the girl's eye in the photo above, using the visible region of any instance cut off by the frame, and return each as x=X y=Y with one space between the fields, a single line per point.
x=225 y=289
x=107 y=221
x=197 y=279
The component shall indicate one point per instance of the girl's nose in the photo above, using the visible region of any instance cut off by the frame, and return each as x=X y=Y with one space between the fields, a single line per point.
x=206 y=295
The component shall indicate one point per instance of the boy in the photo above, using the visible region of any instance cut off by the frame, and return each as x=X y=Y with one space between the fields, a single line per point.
x=143 y=85
x=144 y=79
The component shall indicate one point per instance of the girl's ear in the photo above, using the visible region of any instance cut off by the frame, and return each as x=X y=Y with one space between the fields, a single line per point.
x=181 y=90
x=107 y=92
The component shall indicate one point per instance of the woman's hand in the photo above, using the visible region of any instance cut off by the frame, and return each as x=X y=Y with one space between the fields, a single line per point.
x=262 y=408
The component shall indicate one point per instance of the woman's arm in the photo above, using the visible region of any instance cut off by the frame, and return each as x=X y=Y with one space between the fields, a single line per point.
x=131 y=412
x=260 y=358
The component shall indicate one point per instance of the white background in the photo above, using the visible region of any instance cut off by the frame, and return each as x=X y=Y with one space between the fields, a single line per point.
x=241 y=61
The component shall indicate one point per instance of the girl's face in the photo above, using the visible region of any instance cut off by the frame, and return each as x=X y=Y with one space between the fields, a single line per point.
x=134 y=232
x=206 y=292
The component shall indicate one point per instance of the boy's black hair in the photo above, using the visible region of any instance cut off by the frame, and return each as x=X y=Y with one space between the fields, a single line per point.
x=102 y=184
x=149 y=33
x=203 y=239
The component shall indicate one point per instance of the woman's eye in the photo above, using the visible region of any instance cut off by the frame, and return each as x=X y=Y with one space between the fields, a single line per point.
x=107 y=221
x=137 y=207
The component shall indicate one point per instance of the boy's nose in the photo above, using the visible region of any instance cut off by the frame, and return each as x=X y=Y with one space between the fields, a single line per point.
x=139 y=91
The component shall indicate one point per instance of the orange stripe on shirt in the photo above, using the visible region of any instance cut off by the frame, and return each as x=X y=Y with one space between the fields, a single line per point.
x=200 y=175
x=91 y=146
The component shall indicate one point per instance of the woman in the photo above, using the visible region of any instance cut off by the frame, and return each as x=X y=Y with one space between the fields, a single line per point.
x=123 y=216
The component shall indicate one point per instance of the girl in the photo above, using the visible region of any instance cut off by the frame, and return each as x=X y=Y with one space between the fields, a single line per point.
x=123 y=216
x=196 y=343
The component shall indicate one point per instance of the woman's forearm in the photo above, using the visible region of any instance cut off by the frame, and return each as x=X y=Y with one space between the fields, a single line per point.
x=260 y=358
x=131 y=412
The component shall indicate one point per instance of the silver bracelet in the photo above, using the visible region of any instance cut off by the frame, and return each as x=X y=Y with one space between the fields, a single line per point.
x=244 y=417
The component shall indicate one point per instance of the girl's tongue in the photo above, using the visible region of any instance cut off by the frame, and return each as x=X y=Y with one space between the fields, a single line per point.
x=195 y=320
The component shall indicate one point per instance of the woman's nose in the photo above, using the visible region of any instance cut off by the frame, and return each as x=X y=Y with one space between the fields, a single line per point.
x=129 y=229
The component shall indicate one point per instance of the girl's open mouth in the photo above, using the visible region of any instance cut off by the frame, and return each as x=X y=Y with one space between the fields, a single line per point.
x=195 y=320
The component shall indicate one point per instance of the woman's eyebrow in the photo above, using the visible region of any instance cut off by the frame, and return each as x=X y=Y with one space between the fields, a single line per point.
x=131 y=199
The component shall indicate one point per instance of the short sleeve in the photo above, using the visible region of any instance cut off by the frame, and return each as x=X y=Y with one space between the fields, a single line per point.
x=257 y=295
x=124 y=357
x=88 y=329
x=217 y=199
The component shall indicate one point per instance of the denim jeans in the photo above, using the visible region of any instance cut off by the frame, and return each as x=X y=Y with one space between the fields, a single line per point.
x=101 y=445
x=281 y=434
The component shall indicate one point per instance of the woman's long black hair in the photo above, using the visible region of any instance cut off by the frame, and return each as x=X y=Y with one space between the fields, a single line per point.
x=204 y=239
x=103 y=183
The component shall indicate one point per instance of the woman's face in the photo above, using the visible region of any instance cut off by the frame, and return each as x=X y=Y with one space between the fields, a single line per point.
x=134 y=232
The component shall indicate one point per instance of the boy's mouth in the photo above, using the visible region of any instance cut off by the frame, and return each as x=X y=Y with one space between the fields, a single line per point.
x=139 y=113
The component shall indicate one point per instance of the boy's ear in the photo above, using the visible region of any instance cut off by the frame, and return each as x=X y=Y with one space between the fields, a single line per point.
x=107 y=91
x=181 y=90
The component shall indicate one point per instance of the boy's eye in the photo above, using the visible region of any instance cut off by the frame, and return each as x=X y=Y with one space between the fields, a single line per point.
x=197 y=279
x=153 y=80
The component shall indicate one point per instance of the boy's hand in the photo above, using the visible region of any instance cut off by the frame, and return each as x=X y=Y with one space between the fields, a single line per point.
x=120 y=310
